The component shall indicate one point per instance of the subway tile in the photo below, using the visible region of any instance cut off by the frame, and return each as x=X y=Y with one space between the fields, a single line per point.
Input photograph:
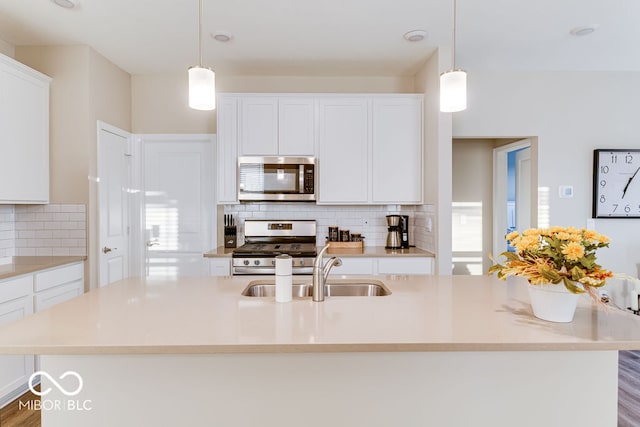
x=52 y=208
x=44 y=252
x=60 y=252
x=25 y=252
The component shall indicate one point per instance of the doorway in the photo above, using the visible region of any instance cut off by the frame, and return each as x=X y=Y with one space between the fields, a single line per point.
x=482 y=205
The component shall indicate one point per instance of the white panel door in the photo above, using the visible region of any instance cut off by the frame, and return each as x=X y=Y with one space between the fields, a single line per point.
x=343 y=150
x=523 y=189
x=296 y=126
x=113 y=179
x=397 y=150
x=179 y=205
x=259 y=126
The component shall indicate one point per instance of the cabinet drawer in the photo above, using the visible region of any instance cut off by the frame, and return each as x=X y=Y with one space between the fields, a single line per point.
x=58 y=276
x=62 y=293
x=219 y=267
x=15 y=288
x=353 y=266
x=404 y=266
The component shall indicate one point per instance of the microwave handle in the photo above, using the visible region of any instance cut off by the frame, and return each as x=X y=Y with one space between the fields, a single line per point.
x=301 y=179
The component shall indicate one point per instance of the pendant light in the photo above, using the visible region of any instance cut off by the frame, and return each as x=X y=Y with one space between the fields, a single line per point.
x=453 y=83
x=202 y=81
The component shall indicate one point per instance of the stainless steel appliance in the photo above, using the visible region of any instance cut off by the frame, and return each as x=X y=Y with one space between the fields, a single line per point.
x=266 y=239
x=394 y=235
x=277 y=178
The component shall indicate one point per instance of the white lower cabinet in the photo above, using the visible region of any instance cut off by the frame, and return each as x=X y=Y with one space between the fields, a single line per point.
x=25 y=295
x=384 y=265
x=16 y=302
x=219 y=266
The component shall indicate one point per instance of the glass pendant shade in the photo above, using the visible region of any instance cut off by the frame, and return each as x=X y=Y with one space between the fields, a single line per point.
x=453 y=91
x=202 y=88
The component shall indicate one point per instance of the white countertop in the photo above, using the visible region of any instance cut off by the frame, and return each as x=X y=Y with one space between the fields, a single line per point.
x=367 y=251
x=208 y=315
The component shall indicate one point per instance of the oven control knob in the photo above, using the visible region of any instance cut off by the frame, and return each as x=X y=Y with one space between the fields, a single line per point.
x=273 y=262
x=246 y=262
x=301 y=262
x=256 y=262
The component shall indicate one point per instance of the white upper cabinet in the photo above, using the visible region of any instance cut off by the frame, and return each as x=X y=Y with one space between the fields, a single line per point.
x=24 y=133
x=343 y=142
x=369 y=147
x=276 y=126
x=396 y=150
x=259 y=126
x=296 y=126
x=227 y=148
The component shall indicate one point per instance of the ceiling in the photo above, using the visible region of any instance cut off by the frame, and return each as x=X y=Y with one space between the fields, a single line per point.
x=334 y=37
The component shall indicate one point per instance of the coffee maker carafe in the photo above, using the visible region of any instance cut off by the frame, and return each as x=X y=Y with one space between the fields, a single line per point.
x=394 y=235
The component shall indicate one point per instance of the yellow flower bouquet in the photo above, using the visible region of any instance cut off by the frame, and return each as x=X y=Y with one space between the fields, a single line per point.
x=554 y=255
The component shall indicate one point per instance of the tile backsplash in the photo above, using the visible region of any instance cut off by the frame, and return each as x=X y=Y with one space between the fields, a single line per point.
x=7 y=233
x=50 y=230
x=370 y=221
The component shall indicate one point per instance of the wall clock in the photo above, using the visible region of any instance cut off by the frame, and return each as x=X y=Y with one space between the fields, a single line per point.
x=616 y=183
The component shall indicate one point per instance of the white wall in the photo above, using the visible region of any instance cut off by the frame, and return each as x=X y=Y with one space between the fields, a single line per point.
x=571 y=114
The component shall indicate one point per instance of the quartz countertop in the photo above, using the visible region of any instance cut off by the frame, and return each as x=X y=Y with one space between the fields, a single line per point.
x=29 y=264
x=200 y=315
x=373 y=251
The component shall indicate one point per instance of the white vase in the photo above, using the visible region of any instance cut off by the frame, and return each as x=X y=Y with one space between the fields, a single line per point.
x=553 y=302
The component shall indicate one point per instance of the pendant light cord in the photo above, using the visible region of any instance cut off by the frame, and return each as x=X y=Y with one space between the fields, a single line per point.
x=200 y=31
x=453 y=45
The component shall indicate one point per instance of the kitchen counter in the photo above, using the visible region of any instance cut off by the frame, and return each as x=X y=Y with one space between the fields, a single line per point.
x=454 y=351
x=373 y=252
x=29 y=264
x=423 y=313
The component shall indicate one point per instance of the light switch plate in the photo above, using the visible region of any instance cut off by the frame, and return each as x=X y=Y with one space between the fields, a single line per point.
x=565 y=191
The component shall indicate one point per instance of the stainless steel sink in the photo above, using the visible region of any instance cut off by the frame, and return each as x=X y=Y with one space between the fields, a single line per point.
x=333 y=288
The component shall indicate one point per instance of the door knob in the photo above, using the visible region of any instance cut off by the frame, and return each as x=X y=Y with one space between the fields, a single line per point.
x=106 y=250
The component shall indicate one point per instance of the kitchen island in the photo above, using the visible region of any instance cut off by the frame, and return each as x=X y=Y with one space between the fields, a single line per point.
x=451 y=351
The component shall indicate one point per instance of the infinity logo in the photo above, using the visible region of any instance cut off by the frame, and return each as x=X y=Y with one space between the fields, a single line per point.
x=55 y=383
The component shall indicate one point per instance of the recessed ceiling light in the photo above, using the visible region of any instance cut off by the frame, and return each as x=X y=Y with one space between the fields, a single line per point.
x=584 y=30
x=67 y=4
x=222 y=36
x=415 y=35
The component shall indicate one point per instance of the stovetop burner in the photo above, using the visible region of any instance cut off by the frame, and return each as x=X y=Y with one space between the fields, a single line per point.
x=273 y=249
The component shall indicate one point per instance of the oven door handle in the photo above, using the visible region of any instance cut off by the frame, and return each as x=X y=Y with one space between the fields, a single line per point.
x=269 y=270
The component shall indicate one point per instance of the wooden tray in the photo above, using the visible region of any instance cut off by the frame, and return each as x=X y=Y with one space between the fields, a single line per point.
x=345 y=247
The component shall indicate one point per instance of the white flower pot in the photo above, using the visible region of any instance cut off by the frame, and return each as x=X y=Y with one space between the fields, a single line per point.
x=553 y=302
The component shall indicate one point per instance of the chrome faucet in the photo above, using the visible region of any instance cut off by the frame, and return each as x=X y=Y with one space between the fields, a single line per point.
x=320 y=273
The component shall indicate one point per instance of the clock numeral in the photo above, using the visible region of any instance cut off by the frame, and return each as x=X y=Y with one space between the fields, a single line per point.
x=604 y=169
x=627 y=208
x=614 y=158
x=628 y=159
x=603 y=183
x=615 y=207
x=603 y=199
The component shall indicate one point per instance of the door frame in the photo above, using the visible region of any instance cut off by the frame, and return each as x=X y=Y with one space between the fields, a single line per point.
x=500 y=189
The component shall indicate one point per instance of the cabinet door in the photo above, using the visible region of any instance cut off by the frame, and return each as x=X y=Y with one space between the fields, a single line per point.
x=343 y=150
x=259 y=126
x=227 y=150
x=397 y=150
x=219 y=266
x=24 y=134
x=16 y=302
x=296 y=130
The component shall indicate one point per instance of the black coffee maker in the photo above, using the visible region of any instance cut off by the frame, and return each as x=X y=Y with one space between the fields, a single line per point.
x=404 y=231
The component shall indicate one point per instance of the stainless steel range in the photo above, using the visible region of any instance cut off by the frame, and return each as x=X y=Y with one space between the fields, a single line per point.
x=265 y=239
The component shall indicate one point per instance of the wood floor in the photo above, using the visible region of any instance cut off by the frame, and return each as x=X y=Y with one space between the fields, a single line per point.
x=628 y=398
x=13 y=415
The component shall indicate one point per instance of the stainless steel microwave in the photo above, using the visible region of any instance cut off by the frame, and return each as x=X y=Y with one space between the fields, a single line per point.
x=277 y=178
